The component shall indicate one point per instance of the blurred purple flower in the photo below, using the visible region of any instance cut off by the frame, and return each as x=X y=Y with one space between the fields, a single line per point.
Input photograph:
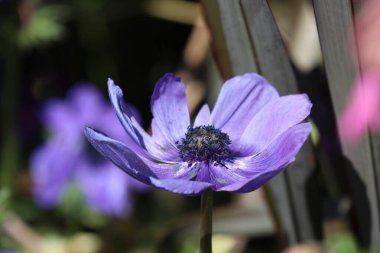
x=66 y=157
x=249 y=137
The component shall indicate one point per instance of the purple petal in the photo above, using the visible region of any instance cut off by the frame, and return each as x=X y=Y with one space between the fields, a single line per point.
x=86 y=101
x=251 y=184
x=137 y=185
x=180 y=186
x=58 y=118
x=136 y=166
x=143 y=144
x=82 y=106
x=110 y=124
x=126 y=117
x=221 y=176
x=120 y=155
x=169 y=108
x=52 y=167
x=105 y=188
x=265 y=165
x=203 y=173
x=203 y=117
x=135 y=113
x=162 y=147
x=271 y=121
x=239 y=100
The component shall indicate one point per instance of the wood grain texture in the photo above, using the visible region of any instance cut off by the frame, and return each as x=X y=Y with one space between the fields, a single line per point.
x=230 y=39
x=269 y=49
x=218 y=42
x=334 y=18
x=274 y=64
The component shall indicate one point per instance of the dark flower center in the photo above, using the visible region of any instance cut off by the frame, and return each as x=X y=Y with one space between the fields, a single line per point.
x=204 y=143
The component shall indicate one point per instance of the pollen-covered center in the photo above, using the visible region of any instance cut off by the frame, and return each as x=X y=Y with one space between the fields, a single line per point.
x=204 y=143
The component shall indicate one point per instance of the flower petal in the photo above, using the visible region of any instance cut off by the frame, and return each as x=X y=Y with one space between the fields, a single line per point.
x=203 y=173
x=239 y=100
x=161 y=146
x=125 y=115
x=105 y=188
x=271 y=121
x=185 y=187
x=143 y=143
x=58 y=118
x=251 y=184
x=52 y=166
x=221 y=175
x=265 y=165
x=138 y=167
x=85 y=101
x=169 y=108
x=203 y=117
x=120 y=155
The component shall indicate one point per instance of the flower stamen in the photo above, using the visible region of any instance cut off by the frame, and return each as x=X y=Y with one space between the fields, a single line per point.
x=205 y=143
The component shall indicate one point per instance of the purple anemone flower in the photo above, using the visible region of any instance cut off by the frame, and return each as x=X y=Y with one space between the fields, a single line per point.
x=251 y=135
x=67 y=158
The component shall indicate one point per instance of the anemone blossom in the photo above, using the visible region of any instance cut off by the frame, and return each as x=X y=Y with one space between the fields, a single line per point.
x=250 y=136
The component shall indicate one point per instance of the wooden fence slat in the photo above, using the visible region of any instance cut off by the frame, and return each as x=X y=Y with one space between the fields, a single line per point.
x=333 y=20
x=268 y=46
x=274 y=64
x=231 y=43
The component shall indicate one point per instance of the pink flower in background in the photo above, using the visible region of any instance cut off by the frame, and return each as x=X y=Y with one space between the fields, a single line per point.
x=363 y=109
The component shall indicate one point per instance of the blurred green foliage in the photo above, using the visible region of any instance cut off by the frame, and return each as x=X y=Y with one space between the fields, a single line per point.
x=345 y=242
x=5 y=195
x=72 y=205
x=46 y=25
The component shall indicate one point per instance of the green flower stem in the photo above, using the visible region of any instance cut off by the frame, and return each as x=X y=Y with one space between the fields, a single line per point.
x=206 y=222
